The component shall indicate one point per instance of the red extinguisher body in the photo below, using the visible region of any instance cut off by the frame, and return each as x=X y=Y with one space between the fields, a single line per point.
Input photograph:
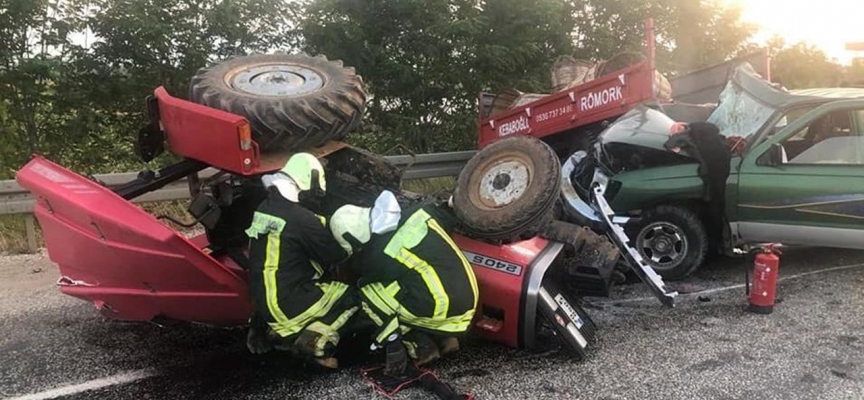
x=765 y=272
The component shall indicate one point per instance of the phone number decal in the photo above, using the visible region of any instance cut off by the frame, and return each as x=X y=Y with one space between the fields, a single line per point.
x=554 y=113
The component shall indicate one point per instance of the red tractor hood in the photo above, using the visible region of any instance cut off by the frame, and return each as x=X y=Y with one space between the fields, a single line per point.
x=130 y=265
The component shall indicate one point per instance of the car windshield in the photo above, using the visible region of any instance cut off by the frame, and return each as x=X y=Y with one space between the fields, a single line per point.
x=739 y=113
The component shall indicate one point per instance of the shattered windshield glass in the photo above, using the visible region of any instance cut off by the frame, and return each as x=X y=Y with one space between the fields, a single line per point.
x=739 y=114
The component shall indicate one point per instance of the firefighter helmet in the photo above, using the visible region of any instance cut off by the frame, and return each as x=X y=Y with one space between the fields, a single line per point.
x=350 y=226
x=306 y=171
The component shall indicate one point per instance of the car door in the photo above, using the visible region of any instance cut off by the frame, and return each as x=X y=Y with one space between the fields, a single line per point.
x=805 y=184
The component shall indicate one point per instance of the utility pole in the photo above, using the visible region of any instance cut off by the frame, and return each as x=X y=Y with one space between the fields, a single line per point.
x=857 y=48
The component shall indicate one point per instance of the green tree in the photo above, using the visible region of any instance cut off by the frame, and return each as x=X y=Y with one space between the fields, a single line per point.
x=426 y=61
x=34 y=51
x=689 y=33
x=80 y=102
x=854 y=74
x=74 y=73
x=142 y=44
x=801 y=65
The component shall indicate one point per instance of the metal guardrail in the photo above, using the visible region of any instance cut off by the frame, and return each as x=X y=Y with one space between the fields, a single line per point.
x=15 y=199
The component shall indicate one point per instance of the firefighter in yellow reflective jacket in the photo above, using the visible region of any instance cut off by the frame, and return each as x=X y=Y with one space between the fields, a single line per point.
x=414 y=283
x=296 y=308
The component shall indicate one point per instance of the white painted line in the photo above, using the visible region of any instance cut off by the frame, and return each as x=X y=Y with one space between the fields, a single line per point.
x=119 y=379
x=738 y=286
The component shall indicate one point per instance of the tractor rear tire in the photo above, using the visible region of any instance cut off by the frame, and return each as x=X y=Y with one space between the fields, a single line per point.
x=292 y=102
x=507 y=191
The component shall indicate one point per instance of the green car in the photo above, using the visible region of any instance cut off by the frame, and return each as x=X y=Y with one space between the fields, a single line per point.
x=797 y=175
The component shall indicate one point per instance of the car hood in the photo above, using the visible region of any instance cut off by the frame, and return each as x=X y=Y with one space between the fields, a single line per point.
x=640 y=126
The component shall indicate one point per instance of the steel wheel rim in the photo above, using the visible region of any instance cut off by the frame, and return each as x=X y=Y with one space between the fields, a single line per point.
x=276 y=80
x=504 y=181
x=663 y=245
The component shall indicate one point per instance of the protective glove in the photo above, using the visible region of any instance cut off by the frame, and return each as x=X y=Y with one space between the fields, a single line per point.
x=389 y=338
x=395 y=359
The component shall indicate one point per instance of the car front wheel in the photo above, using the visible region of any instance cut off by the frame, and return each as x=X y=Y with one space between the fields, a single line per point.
x=671 y=239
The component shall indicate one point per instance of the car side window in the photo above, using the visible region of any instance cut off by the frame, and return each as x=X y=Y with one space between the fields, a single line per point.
x=787 y=118
x=833 y=138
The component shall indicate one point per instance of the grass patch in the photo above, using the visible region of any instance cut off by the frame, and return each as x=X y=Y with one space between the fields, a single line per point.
x=13 y=234
x=431 y=186
x=175 y=209
x=13 y=231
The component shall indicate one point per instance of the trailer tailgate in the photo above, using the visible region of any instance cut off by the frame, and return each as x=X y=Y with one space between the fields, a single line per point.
x=128 y=264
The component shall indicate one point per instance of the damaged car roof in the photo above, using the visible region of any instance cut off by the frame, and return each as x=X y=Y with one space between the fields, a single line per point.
x=830 y=93
x=746 y=103
x=745 y=77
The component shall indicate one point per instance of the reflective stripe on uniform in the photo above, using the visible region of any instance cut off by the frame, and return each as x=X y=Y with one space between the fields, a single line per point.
x=325 y=334
x=407 y=237
x=376 y=294
x=333 y=291
x=373 y=291
x=343 y=318
x=263 y=224
x=319 y=271
x=409 y=234
x=387 y=330
x=469 y=271
x=371 y=314
x=329 y=333
x=271 y=266
x=393 y=288
x=272 y=226
x=430 y=277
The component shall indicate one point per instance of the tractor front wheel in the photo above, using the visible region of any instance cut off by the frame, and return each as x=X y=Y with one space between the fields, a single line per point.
x=507 y=191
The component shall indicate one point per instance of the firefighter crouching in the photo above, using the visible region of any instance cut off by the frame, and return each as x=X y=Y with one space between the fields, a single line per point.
x=414 y=283
x=296 y=307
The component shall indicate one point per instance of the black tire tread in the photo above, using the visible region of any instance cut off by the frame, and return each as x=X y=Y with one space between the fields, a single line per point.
x=527 y=216
x=689 y=221
x=291 y=122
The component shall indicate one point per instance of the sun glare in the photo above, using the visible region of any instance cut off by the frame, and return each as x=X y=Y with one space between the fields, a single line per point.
x=826 y=24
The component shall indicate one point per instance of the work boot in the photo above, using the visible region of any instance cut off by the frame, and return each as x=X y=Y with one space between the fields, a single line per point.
x=305 y=346
x=447 y=344
x=421 y=347
x=281 y=343
x=395 y=359
x=327 y=362
x=257 y=340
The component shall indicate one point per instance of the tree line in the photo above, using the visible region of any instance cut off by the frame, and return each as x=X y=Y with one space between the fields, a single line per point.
x=74 y=73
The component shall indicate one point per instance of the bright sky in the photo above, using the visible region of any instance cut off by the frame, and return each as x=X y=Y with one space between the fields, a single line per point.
x=827 y=24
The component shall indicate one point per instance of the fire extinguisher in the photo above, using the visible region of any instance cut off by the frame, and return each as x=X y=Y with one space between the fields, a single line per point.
x=765 y=271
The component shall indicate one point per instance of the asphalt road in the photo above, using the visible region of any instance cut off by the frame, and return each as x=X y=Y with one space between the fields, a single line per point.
x=812 y=346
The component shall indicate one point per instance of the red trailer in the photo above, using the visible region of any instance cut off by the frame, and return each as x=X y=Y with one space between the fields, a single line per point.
x=603 y=98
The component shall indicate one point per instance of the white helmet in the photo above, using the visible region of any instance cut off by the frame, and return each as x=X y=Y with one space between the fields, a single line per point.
x=302 y=172
x=351 y=226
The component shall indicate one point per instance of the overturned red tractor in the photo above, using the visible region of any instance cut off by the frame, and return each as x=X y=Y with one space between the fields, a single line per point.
x=244 y=118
